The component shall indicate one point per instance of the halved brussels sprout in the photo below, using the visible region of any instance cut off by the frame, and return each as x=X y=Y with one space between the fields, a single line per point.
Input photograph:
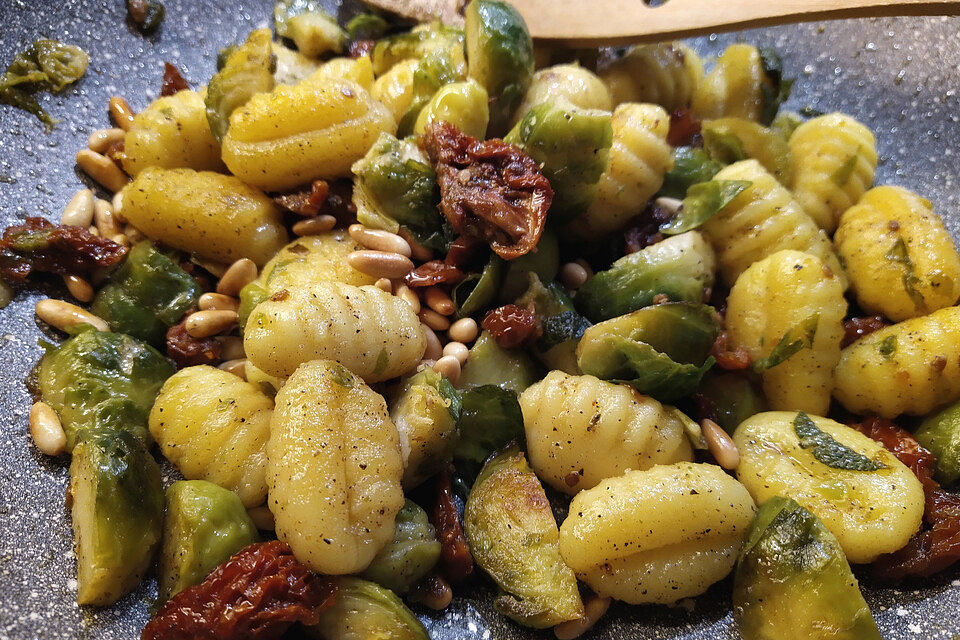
x=312 y=29
x=940 y=434
x=147 y=295
x=793 y=581
x=691 y=165
x=562 y=327
x=500 y=53
x=733 y=398
x=364 y=610
x=491 y=364
x=205 y=524
x=490 y=419
x=680 y=267
x=544 y=261
x=477 y=291
x=291 y=66
x=412 y=553
x=367 y=26
x=100 y=381
x=117 y=514
x=661 y=351
x=514 y=537
x=463 y=104
x=572 y=146
x=247 y=70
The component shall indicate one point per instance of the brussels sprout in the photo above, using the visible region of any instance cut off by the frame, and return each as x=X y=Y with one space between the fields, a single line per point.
x=312 y=29
x=366 y=611
x=779 y=88
x=544 y=261
x=46 y=65
x=291 y=66
x=703 y=201
x=786 y=123
x=425 y=410
x=513 y=536
x=463 y=104
x=562 y=326
x=367 y=26
x=418 y=43
x=477 y=291
x=147 y=295
x=691 y=165
x=572 y=146
x=680 y=267
x=248 y=70
x=99 y=381
x=940 y=434
x=117 y=514
x=732 y=397
x=730 y=140
x=491 y=364
x=490 y=419
x=793 y=581
x=412 y=553
x=500 y=52
x=662 y=351
x=205 y=524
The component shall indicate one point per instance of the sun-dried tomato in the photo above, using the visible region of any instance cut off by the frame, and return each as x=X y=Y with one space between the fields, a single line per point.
x=307 y=201
x=339 y=203
x=735 y=359
x=684 y=129
x=512 y=326
x=433 y=272
x=455 y=558
x=38 y=245
x=361 y=48
x=173 y=80
x=856 y=328
x=256 y=595
x=466 y=253
x=937 y=545
x=644 y=230
x=489 y=189
x=187 y=351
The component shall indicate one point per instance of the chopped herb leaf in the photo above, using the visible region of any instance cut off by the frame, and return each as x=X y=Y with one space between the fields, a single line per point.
x=827 y=450
x=842 y=175
x=898 y=253
x=798 y=338
x=723 y=144
x=888 y=346
x=703 y=201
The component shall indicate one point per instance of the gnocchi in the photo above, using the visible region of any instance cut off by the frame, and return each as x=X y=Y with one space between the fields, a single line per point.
x=666 y=74
x=394 y=89
x=735 y=86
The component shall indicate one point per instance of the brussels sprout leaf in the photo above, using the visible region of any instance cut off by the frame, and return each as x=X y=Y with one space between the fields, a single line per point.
x=567 y=325
x=703 y=201
x=47 y=65
x=827 y=450
x=797 y=338
x=723 y=145
x=690 y=166
x=367 y=26
x=490 y=418
x=777 y=92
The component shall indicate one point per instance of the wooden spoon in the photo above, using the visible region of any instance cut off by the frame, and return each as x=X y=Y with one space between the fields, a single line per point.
x=586 y=23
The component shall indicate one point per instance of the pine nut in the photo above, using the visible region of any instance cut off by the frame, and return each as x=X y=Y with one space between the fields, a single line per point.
x=237 y=367
x=419 y=252
x=117 y=204
x=121 y=113
x=586 y=266
x=720 y=444
x=203 y=324
x=458 y=350
x=217 y=302
x=448 y=367
x=232 y=348
x=406 y=293
x=79 y=211
x=380 y=264
x=93 y=231
x=434 y=320
x=379 y=240
x=384 y=284
x=314 y=226
x=237 y=276
x=63 y=315
x=46 y=430
x=262 y=517
x=121 y=238
x=78 y=288
x=102 y=169
x=573 y=275
x=464 y=330
x=134 y=234
x=593 y=610
x=433 y=591
x=103 y=217
x=434 y=350
x=103 y=139
x=438 y=300
x=670 y=205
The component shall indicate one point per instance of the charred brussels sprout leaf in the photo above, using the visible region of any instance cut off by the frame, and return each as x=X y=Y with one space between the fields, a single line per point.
x=491 y=364
x=364 y=610
x=500 y=52
x=731 y=398
x=412 y=553
x=204 y=525
x=691 y=165
x=46 y=65
x=248 y=70
x=477 y=291
x=462 y=104
x=827 y=450
x=792 y=581
x=513 y=537
x=367 y=26
x=778 y=90
x=703 y=201
x=490 y=419
x=312 y=29
x=146 y=14
x=147 y=295
x=940 y=434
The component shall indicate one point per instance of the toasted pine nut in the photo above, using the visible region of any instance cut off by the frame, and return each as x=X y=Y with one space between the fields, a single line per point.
x=62 y=315
x=586 y=266
x=102 y=139
x=237 y=367
x=670 y=205
x=121 y=112
x=237 y=276
x=379 y=239
x=463 y=330
x=314 y=226
x=104 y=219
x=117 y=204
x=79 y=211
x=232 y=348
x=384 y=284
x=46 y=430
x=262 y=517
x=449 y=367
x=433 y=591
x=434 y=320
x=203 y=324
x=102 y=169
x=720 y=444
x=134 y=234
x=419 y=252
x=573 y=275
x=78 y=288
x=593 y=610
x=458 y=350
x=408 y=294
x=438 y=300
x=380 y=264
x=434 y=350
x=218 y=302
x=93 y=231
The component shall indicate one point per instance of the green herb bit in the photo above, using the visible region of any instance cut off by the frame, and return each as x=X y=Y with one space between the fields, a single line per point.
x=898 y=253
x=888 y=346
x=723 y=144
x=842 y=175
x=827 y=450
x=796 y=339
x=703 y=201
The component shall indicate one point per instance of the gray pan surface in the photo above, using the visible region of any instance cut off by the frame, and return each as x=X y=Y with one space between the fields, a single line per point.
x=899 y=76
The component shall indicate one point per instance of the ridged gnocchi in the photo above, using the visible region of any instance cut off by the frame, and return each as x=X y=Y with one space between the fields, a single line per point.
x=912 y=367
x=666 y=74
x=867 y=498
x=732 y=139
x=899 y=257
x=581 y=430
x=292 y=135
x=571 y=82
x=639 y=159
x=734 y=88
x=835 y=159
x=216 y=216
x=334 y=469
x=760 y=221
x=375 y=335
x=213 y=425
x=359 y=70
x=395 y=87
x=659 y=535
x=775 y=302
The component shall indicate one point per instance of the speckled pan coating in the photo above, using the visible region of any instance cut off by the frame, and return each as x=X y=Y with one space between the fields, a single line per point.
x=900 y=77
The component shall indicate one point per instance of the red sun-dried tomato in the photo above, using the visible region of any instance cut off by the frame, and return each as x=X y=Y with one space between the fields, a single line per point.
x=489 y=189
x=466 y=253
x=433 y=272
x=307 y=201
x=455 y=558
x=173 y=80
x=735 y=359
x=512 y=326
x=187 y=351
x=937 y=545
x=684 y=129
x=644 y=230
x=856 y=328
x=38 y=245
x=255 y=595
